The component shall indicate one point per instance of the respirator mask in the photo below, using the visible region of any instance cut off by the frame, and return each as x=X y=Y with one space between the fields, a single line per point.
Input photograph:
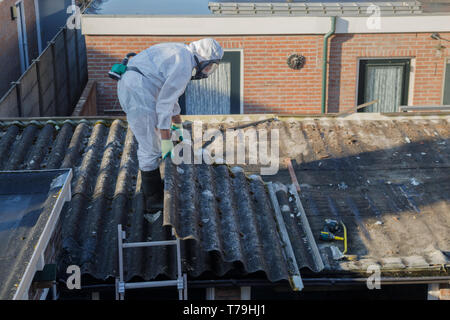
x=204 y=69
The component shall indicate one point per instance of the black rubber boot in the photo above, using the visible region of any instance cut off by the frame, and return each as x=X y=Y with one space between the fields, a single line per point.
x=153 y=189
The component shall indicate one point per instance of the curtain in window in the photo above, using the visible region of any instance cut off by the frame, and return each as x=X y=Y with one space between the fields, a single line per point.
x=384 y=83
x=211 y=95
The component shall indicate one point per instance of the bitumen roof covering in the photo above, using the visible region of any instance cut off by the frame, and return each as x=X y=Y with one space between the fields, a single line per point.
x=386 y=176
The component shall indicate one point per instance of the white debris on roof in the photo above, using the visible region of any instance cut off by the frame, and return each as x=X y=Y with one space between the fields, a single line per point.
x=237 y=170
x=342 y=186
x=280 y=187
x=207 y=193
x=255 y=177
x=151 y=218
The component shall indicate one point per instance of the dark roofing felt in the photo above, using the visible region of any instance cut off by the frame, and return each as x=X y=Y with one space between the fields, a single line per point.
x=27 y=199
x=386 y=177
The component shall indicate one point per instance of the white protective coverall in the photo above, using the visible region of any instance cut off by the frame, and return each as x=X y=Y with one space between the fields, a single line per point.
x=150 y=100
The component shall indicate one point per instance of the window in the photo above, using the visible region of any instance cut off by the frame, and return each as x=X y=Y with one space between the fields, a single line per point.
x=219 y=93
x=386 y=80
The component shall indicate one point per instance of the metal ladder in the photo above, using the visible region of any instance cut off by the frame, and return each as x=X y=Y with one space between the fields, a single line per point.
x=121 y=285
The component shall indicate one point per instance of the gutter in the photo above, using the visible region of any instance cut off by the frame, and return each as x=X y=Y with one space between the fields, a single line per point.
x=318 y=282
x=22 y=121
x=324 y=62
x=345 y=281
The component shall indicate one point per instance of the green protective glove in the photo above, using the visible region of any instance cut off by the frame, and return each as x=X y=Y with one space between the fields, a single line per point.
x=166 y=148
x=178 y=128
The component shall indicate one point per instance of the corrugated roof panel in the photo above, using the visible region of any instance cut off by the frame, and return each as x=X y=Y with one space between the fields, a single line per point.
x=363 y=169
x=228 y=213
x=298 y=228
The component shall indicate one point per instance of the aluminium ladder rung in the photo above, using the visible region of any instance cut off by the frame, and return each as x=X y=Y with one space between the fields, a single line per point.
x=151 y=284
x=121 y=285
x=149 y=244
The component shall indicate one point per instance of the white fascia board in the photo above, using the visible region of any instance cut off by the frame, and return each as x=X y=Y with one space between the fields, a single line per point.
x=177 y=26
x=434 y=23
x=157 y=25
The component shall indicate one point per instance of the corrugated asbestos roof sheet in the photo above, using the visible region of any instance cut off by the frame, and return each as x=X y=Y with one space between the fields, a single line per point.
x=233 y=215
x=389 y=169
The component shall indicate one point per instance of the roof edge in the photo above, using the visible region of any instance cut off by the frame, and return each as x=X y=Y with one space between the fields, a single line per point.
x=239 y=117
x=257 y=25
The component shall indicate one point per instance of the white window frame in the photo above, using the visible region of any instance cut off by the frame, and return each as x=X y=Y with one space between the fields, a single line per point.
x=22 y=35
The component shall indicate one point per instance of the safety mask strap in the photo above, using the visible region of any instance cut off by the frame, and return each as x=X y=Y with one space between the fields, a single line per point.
x=198 y=74
x=201 y=66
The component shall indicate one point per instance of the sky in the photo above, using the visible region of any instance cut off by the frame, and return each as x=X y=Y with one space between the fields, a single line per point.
x=197 y=7
x=165 y=7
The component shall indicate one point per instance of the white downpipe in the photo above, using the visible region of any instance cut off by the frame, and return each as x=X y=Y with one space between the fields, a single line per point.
x=38 y=25
x=22 y=35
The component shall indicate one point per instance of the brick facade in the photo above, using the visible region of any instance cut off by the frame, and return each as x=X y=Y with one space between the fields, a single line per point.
x=9 y=44
x=87 y=104
x=271 y=86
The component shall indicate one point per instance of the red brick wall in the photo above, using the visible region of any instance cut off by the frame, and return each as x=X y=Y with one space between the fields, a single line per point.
x=271 y=86
x=429 y=64
x=9 y=52
x=87 y=104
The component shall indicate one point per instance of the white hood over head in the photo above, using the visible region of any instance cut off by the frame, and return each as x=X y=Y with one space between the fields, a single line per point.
x=206 y=49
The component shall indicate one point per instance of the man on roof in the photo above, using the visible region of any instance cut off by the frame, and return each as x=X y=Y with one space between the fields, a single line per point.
x=148 y=93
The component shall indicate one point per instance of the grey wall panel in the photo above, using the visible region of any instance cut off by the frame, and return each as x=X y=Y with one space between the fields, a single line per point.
x=29 y=93
x=8 y=104
x=30 y=103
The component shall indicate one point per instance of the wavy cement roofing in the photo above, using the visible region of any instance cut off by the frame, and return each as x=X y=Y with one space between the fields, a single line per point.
x=231 y=214
x=389 y=169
